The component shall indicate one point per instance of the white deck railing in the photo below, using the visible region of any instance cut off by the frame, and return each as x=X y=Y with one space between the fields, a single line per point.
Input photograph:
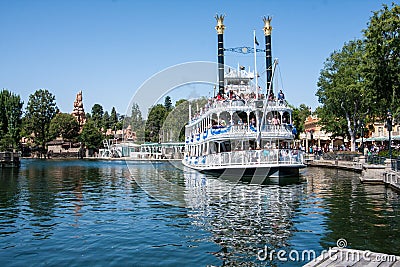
x=248 y=157
x=283 y=130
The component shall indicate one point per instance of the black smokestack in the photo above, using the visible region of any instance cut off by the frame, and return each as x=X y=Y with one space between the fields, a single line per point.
x=268 y=51
x=220 y=31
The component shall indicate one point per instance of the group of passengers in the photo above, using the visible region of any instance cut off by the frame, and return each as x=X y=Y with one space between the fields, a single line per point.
x=231 y=95
x=281 y=97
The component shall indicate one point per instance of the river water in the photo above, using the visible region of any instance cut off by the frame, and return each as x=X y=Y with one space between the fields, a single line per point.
x=94 y=213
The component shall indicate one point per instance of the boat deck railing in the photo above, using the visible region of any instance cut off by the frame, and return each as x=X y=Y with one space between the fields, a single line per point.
x=248 y=157
x=282 y=130
x=232 y=104
x=253 y=103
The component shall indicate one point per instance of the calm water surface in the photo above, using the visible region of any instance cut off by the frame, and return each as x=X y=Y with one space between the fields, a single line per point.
x=75 y=213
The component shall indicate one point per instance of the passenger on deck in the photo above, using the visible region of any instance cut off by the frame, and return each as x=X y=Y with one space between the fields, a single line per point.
x=271 y=96
x=281 y=97
x=275 y=121
x=253 y=122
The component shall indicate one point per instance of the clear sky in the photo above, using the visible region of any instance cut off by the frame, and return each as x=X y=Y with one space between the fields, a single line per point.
x=108 y=48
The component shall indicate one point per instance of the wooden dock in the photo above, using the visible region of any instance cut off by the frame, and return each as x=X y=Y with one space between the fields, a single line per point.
x=355 y=258
x=9 y=159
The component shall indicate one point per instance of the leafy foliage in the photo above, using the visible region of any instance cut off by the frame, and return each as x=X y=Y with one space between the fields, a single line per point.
x=10 y=120
x=137 y=123
x=91 y=136
x=106 y=123
x=97 y=115
x=361 y=81
x=64 y=125
x=154 y=123
x=300 y=114
x=382 y=52
x=342 y=92
x=113 y=119
x=168 y=103
x=176 y=120
x=41 y=109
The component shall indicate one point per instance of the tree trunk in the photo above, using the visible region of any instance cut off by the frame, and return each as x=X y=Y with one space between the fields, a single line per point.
x=353 y=142
x=352 y=133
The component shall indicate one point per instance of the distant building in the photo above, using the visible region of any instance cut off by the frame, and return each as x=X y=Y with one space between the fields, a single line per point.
x=380 y=130
x=125 y=134
x=315 y=137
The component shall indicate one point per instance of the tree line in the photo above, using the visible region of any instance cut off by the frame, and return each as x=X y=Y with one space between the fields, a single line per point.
x=42 y=122
x=360 y=83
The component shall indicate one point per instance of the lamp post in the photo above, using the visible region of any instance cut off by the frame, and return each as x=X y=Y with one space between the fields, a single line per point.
x=389 y=128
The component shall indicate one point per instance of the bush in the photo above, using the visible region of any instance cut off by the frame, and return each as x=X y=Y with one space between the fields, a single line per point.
x=385 y=153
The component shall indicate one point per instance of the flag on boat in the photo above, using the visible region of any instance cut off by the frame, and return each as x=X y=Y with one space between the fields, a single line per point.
x=255 y=40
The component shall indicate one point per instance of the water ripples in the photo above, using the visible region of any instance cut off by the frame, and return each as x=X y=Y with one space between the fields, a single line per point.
x=93 y=212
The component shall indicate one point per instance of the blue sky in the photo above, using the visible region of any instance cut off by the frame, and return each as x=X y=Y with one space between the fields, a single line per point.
x=108 y=48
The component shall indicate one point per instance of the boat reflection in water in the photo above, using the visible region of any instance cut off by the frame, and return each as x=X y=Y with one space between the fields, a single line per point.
x=242 y=218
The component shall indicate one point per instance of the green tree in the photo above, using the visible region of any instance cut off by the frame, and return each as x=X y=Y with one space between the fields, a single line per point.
x=121 y=121
x=64 y=125
x=137 y=123
x=97 y=115
x=300 y=115
x=106 y=121
x=173 y=128
x=168 y=103
x=154 y=123
x=91 y=136
x=41 y=109
x=10 y=120
x=113 y=118
x=342 y=92
x=382 y=52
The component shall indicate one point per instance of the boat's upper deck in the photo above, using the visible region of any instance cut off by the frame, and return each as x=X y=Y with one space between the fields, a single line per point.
x=247 y=105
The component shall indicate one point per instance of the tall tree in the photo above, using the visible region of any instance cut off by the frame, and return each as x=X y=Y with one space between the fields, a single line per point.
x=168 y=103
x=173 y=128
x=40 y=110
x=342 y=92
x=10 y=119
x=113 y=118
x=91 y=136
x=97 y=115
x=154 y=123
x=64 y=125
x=382 y=51
x=106 y=121
x=137 y=123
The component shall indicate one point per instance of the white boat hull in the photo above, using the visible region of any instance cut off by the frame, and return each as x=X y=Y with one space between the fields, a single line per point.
x=255 y=174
